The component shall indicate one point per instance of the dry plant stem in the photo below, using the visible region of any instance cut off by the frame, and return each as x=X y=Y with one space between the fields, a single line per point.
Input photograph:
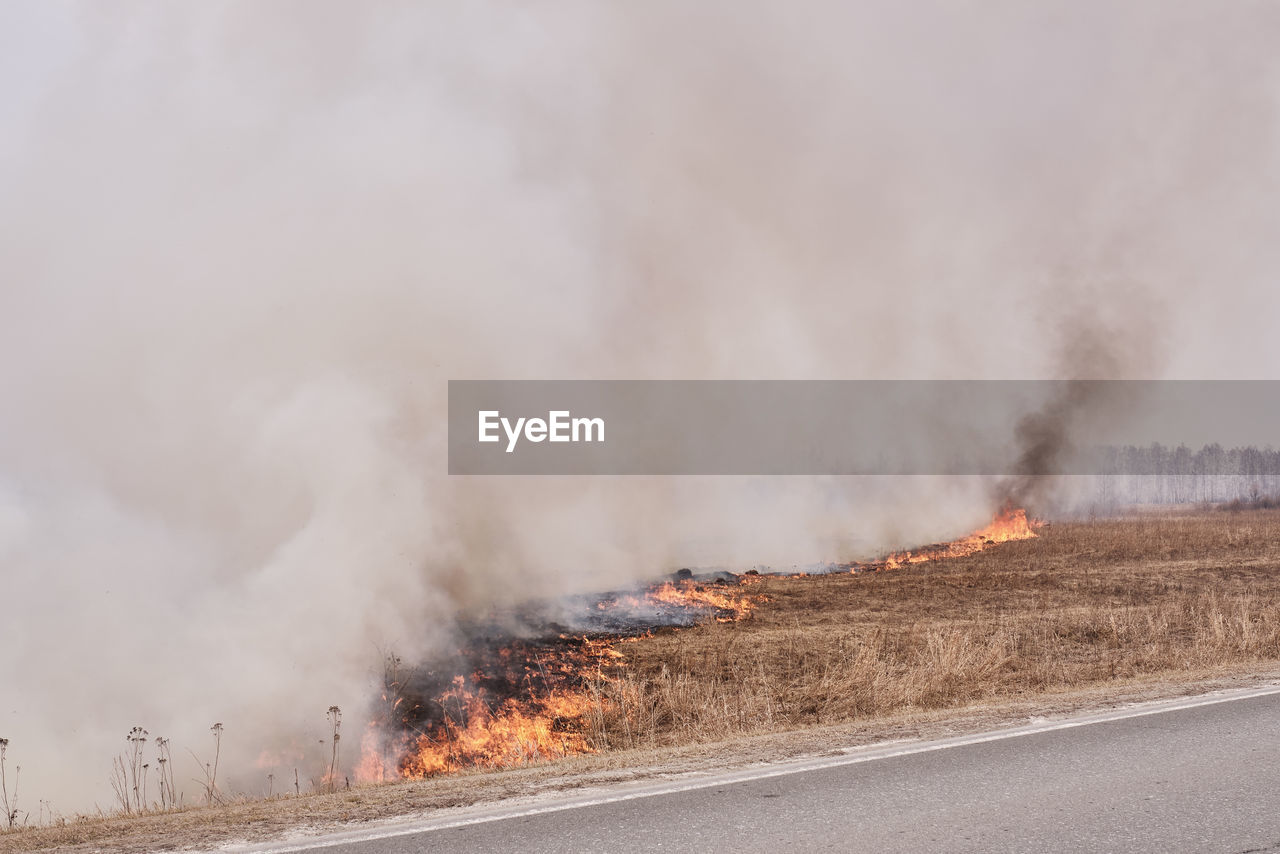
x=210 y=784
x=137 y=739
x=120 y=784
x=216 y=729
x=335 y=718
x=10 y=807
x=165 y=773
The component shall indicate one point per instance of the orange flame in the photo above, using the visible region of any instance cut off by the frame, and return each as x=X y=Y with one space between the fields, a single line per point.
x=729 y=604
x=372 y=767
x=1009 y=524
x=549 y=719
x=515 y=733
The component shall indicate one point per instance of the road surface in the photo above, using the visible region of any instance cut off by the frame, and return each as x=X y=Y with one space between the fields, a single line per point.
x=1193 y=775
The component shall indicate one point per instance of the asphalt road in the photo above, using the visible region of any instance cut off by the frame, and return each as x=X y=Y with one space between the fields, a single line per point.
x=1186 y=776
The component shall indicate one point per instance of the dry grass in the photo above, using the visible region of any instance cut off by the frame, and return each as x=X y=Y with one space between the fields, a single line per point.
x=1085 y=603
x=1089 y=613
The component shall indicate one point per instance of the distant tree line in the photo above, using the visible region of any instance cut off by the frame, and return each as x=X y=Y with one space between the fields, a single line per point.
x=1159 y=474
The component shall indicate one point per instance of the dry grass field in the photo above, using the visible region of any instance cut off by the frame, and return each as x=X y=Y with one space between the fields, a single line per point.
x=1088 y=613
x=1082 y=604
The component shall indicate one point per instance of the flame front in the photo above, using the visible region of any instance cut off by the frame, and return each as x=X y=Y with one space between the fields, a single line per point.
x=527 y=701
x=1009 y=524
x=516 y=732
x=727 y=604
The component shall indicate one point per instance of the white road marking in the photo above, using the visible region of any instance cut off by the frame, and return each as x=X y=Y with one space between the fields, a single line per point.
x=851 y=756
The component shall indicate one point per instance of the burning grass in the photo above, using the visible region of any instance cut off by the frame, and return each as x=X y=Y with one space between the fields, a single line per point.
x=1009 y=524
x=499 y=702
x=1054 y=608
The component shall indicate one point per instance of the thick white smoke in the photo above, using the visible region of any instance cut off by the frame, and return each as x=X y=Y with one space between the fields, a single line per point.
x=243 y=247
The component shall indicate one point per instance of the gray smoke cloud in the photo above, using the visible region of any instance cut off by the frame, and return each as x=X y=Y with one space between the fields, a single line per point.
x=243 y=246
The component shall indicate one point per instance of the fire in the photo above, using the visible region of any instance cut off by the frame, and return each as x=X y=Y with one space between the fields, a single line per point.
x=507 y=702
x=514 y=733
x=1009 y=524
x=727 y=604
x=527 y=701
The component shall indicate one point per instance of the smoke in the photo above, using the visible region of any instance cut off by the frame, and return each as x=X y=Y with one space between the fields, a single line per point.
x=244 y=246
x=1088 y=349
